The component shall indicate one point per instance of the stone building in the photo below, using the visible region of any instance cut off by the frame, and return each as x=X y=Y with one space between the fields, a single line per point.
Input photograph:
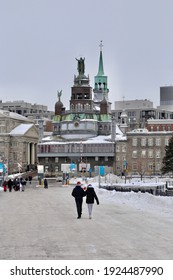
x=18 y=140
x=145 y=150
x=82 y=136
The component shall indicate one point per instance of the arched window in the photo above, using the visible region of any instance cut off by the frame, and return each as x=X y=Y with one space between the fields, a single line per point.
x=72 y=107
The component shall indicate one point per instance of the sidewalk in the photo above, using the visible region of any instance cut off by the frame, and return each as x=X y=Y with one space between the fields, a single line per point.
x=41 y=224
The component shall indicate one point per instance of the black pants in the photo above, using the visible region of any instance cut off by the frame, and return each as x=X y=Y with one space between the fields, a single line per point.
x=79 y=206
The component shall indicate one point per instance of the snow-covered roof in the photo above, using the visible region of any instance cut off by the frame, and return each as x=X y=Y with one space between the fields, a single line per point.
x=21 y=129
x=14 y=115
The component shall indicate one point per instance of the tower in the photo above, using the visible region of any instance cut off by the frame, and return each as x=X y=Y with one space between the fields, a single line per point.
x=100 y=82
x=81 y=92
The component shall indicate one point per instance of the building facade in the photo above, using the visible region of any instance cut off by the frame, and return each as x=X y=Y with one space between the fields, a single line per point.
x=18 y=141
x=82 y=136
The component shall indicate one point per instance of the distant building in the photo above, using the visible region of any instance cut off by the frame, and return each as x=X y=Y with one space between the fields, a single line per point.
x=139 y=111
x=166 y=97
x=160 y=124
x=145 y=150
x=33 y=111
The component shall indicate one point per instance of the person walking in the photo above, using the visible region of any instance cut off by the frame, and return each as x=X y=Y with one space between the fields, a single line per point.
x=45 y=184
x=10 y=185
x=78 y=193
x=90 y=196
x=5 y=183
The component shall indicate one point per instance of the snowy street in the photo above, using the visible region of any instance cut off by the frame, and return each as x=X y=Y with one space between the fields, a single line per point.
x=41 y=224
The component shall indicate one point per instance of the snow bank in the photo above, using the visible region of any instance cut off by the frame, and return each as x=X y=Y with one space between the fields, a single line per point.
x=158 y=205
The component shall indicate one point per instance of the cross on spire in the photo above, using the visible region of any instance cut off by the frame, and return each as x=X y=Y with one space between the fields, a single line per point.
x=101 y=45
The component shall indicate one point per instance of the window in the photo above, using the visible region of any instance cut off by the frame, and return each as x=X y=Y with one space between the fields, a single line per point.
x=124 y=159
x=143 y=154
x=96 y=158
x=46 y=168
x=134 y=142
x=150 y=166
x=123 y=148
x=56 y=159
x=143 y=142
x=158 y=154
x=150 y=153
x=117 y=148
x=134 y=166
x=117 y=158
x=134 y=154
x=46 y=160
x=158 y=142
x=150 y=142
x=166 y=141
x=56 y=169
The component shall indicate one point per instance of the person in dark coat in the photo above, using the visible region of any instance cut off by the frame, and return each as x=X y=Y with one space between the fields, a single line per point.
x=90 y=197
x=45 y=184
x=78 y=193
x=10 y=185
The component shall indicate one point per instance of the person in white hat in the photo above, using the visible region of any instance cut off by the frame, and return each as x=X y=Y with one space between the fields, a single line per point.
x=90 y=196
x=78 y=193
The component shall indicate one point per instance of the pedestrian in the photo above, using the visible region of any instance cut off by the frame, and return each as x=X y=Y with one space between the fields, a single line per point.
x=78 y=193
x=22 y=185
x=30 y=179
x=45 y=183
x=10 y=185
x=5 y=185
x=90 y=196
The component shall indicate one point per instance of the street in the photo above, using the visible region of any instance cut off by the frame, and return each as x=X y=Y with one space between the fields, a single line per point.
x=41 y=224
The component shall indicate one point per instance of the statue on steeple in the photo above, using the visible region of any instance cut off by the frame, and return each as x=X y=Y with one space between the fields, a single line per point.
x=59 y=93
x=81 y=66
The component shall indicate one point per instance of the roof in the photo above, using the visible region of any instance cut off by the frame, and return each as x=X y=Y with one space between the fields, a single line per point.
x=21 y=129
x=97 y=139
x=14 y=116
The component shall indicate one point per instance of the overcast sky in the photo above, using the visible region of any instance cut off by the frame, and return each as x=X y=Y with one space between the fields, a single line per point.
x=40 y=39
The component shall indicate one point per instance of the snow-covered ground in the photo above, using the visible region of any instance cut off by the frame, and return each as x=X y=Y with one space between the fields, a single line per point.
x=158 y=205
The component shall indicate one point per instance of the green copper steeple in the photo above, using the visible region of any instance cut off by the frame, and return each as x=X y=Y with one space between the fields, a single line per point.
x=101 y=70
x=100 y=81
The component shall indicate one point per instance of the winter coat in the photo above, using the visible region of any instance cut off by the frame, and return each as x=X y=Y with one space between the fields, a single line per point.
x=91 y=195
x=10 y=183
x=45 y=183
x=78 y=193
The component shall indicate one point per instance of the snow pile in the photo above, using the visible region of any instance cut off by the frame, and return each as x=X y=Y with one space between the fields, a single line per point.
x=108 y=179
x=161 y=205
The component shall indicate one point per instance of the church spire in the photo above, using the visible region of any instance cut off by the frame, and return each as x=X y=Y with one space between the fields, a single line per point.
x=100 y=70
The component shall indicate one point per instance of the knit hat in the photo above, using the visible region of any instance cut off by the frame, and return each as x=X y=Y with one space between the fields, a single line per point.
x=78 y=183
x=89 y=186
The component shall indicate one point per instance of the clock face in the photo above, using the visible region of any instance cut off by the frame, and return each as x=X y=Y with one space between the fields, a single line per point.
x=76 y=124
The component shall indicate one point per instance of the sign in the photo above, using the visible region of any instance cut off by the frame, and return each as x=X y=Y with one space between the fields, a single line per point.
x=40 y=168
x=102 y=170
